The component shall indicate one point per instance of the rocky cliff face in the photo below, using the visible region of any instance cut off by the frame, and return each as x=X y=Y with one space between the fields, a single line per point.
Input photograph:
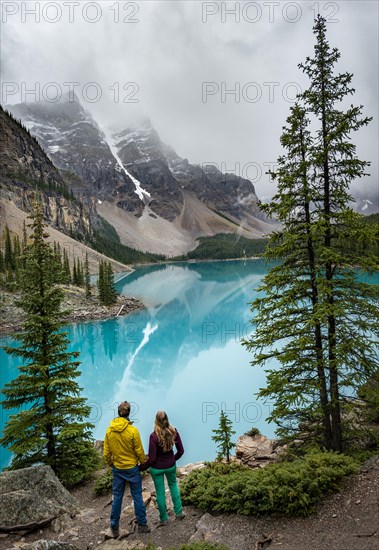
x=141 y=152
x=133 y=167
x=25 y=168
x=75 y=143
x=166 y=175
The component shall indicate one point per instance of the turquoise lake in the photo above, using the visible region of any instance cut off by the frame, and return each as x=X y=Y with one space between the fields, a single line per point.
x=182 y=354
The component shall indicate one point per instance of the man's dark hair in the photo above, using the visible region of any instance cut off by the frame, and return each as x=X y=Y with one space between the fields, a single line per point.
x=124 y=409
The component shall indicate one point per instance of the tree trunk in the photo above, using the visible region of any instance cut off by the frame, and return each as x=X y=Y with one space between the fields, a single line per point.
x=334 y=390
x=333 y=374
x=327 y=429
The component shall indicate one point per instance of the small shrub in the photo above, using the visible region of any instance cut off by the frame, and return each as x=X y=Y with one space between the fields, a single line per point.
x=253 y=432
x=82 y=464
x=103 y=483
x=290 y=488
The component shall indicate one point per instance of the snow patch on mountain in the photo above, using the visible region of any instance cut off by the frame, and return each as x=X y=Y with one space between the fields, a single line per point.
x=366 y=204
x=142 y=193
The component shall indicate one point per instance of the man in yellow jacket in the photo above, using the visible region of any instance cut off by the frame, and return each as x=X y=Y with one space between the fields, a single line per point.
x=123 y=451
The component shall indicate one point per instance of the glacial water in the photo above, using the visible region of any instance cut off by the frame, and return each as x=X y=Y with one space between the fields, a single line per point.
x=182 y=354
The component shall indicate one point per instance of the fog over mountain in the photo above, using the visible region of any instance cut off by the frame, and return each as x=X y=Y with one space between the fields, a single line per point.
x=216 y=79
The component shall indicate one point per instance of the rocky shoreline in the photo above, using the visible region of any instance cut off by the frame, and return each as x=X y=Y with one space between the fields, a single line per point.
x=80 y=308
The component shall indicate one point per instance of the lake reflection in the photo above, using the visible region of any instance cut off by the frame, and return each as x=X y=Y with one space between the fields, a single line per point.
x=181 y=354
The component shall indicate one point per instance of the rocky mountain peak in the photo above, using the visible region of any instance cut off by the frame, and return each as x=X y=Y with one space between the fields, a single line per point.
x=132 y=167
x=25 y=168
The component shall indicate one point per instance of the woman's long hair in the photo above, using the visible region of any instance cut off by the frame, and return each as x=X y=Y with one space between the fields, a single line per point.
x=165 y=432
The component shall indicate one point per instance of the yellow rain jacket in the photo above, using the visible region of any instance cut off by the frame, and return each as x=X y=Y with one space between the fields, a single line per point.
x=122 y=445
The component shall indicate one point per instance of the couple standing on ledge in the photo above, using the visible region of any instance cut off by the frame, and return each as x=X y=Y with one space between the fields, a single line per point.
x=123 y=450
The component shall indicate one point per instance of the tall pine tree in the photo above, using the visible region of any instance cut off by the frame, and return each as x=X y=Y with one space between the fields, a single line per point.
x=317 y=318
x=53 y=428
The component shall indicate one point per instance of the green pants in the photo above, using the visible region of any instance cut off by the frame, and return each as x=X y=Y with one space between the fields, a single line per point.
x=158 y=478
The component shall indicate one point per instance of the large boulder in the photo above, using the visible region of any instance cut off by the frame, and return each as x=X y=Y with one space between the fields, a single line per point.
x=32 y=497
x=257 y=451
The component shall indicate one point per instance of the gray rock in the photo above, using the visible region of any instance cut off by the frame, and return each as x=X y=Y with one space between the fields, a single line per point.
x=206 y=530
x=183 y=471
x=61 y=523
x=122 y=545
x=32 y=496
x=257 y=451
x=49 y=545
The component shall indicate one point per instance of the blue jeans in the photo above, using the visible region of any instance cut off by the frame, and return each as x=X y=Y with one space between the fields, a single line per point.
x=133 y=477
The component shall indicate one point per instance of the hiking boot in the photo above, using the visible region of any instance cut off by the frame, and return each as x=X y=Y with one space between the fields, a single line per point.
x=162 y=523
x=180 y=516
x=112 y=533
x=143 y=529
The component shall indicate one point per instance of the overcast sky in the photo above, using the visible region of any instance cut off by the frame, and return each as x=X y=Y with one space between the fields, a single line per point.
x=177 y=61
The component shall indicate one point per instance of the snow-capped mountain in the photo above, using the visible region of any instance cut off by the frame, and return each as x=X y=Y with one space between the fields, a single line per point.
x=141 y=153
x=74 y=142
x=366 y=206
x=25 y=167
x=158 y=167
x=156 y=200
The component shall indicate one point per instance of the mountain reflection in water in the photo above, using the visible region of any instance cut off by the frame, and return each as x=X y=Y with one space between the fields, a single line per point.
x=182 y=354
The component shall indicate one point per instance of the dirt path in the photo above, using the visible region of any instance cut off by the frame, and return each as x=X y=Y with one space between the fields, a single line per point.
x=345 y=521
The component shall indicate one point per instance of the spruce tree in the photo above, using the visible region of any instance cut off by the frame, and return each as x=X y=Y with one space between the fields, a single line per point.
x=110 y=292
x=317 y=318
x=9 y=279
x=57 y=254
x=16 y=248
x=75 y=273
x=8 y=253
x=336 y=165
x=87 y=277
x=24 y=244
x=66 y=268
x=105 y=284
x=17 y=259
x=50 y=425
x=100 y=282
x=80 y=273
x=24 y=236
x=222 y=437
